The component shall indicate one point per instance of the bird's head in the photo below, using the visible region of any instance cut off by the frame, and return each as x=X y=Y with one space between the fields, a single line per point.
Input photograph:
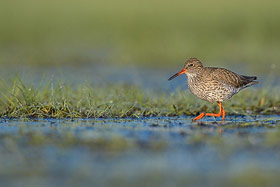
x=191 y=67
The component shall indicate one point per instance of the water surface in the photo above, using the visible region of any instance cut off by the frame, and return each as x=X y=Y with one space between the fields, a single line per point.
x=156 y=151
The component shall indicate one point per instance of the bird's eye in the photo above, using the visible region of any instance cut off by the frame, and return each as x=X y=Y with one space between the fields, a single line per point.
x=190 y=65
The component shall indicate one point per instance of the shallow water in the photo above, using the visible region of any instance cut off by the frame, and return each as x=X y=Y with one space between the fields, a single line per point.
x=146 y=78
x=164 y=151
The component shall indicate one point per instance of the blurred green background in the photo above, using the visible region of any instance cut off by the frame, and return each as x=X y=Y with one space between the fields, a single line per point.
x=144 y=33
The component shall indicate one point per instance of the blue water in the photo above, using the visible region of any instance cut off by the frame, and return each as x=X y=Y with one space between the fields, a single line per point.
x=146 y=78
x=124 y=152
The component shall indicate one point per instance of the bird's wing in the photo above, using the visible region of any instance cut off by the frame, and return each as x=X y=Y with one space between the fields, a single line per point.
x=230 y=78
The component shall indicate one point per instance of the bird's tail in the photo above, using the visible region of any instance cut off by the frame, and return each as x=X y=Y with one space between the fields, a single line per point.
x=248 y=81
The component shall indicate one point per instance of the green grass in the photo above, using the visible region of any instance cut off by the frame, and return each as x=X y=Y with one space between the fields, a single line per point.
x=146 y=33
x=60 y=100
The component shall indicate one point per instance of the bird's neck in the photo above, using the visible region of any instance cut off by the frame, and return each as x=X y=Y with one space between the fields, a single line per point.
x=195 y=75
x=194 y=78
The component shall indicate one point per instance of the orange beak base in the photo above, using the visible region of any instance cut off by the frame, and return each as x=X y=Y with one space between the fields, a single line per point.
x=177 y=74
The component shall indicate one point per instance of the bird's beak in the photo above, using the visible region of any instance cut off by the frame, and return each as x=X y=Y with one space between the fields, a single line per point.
x=177 y=74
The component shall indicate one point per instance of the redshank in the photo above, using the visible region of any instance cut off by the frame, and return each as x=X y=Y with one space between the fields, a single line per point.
x=213 y=84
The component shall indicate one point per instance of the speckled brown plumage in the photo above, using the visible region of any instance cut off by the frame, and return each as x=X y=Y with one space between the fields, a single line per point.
x=213 y=84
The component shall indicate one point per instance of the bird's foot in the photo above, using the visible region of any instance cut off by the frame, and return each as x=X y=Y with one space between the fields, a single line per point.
x=198 y=117
x=221 y=113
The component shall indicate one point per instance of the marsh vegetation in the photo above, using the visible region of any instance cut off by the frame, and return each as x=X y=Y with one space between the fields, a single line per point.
x=84 y=97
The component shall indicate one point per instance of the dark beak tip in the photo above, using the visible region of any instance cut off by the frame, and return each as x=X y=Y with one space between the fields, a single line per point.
x=172 y=77
x=177 y=74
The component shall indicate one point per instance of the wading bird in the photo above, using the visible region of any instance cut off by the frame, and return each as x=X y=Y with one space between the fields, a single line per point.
x=213 y=84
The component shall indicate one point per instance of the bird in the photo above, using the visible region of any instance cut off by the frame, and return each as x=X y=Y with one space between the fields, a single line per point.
x=213 y=84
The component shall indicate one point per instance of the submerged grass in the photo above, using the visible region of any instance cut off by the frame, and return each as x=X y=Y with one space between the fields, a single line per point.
x=188 y=154
x=60 y=100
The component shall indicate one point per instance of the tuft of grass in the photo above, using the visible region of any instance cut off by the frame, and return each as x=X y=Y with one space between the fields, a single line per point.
x=60 y=100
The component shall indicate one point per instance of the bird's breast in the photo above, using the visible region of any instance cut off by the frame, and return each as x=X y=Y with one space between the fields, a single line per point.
x=211 y=90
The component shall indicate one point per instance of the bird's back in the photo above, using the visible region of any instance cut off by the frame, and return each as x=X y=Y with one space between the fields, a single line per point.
x=218 y=84
x=225 y=76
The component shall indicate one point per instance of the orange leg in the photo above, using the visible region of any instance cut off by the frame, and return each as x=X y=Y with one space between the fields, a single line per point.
x=222 y=113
